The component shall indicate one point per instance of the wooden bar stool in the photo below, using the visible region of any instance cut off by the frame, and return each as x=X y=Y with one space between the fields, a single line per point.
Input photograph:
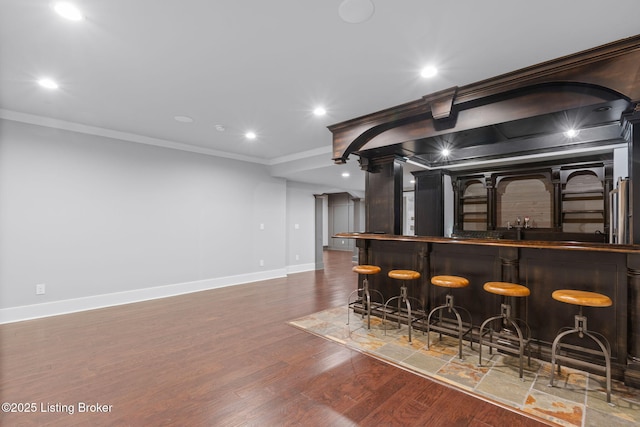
x=582 y=299
x=365 y=299
x=505 y=340
x=403 y=276
x=445 y=325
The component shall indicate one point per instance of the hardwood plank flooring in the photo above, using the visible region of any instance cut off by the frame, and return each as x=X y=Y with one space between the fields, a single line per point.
x=224 y=357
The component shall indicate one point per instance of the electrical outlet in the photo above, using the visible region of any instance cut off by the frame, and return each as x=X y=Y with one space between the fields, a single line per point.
x=40 y=289
x=297 y=257
x=261 y=263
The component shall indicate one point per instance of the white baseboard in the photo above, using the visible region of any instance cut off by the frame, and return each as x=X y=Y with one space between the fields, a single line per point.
x=301 y=268
x=54 y=308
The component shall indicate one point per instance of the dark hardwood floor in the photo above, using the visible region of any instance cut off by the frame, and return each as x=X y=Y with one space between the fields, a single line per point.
x=224 y=357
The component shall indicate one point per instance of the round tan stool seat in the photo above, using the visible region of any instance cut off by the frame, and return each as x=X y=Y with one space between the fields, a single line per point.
x=507 y=289
x=404 y=274
x=450 y=281
x=583 y=298
x=366 y=269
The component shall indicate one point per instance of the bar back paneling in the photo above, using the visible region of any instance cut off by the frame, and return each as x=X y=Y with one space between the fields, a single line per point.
x=399 y=256
x=545 y=271
x=478 y=265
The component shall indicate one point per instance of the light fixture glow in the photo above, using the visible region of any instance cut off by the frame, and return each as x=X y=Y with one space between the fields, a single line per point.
x=429 y=71
x=183 y=119
x=250 y=135
x=319 y=111
x=571 y=133
x=356 y=11
x=346 y=174
x=48 y=83
x=68 y=11
x=445 y=152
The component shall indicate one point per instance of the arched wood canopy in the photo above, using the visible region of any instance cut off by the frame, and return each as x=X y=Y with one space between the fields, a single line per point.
x=523 y=111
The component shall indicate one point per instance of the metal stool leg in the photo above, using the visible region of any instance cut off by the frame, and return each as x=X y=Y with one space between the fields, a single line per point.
x=580 y=328
x=402 y=298
x=366 y=298
x=448 y=305
x=506 y=320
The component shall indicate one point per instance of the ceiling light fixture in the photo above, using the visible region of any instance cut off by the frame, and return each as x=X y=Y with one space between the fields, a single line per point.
x=48 y=83
x=429 y=71
x=68 y=11
x=319 y=111
x=250 y=135
x=445 y=152
x=346 y=174
x=356 y=11
x=220 y=128
x=183 y=119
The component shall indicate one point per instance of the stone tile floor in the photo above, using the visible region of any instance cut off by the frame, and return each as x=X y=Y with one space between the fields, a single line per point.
x=577 y=399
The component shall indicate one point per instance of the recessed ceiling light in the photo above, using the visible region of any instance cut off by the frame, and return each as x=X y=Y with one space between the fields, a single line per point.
x=68 y=11
x=250 y=135
x=356 y=11
x=602 y=109
x=445 y=152
x=319 y=111
x=48 y=83
x=346 y=174
x=183 y=119
x=429 y=71
x=220 y=128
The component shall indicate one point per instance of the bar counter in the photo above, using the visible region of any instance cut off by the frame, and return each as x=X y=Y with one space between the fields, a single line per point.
x=542 y=266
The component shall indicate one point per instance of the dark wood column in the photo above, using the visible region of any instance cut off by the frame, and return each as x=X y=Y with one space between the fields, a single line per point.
x=456 y=206
x=491 y=202
x=631 y=125
x=429 y=203
x=632 y=373
x=383 y=186
x=557 y=198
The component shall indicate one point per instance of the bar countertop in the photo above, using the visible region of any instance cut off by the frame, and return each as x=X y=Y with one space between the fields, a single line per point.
x=533 y=244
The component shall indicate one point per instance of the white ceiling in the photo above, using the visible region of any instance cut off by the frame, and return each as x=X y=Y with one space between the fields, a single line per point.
x=132 y=65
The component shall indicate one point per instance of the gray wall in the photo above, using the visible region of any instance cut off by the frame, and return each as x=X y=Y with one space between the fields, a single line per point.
x=91 y=216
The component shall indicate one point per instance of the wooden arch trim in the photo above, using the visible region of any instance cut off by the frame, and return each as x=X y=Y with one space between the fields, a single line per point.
x=614 y=68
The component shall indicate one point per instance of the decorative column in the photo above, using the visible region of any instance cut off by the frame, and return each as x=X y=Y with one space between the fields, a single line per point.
x=319 y=260
x=383 y=195
x=631 y=125
x=491 y=202
x=632 y=373
x=556 y=181
x=424 y=267
x=429 y=203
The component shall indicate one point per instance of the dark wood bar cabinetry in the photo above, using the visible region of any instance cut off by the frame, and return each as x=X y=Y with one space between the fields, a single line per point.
x=541 y=266
x=517 y=198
